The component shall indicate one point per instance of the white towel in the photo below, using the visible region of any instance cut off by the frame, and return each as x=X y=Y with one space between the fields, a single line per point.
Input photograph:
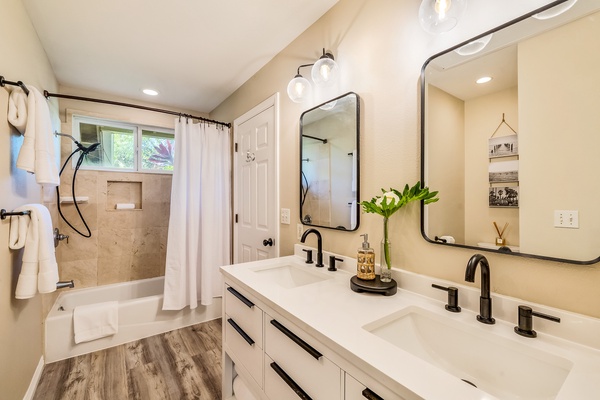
x=37 y=152
x=17 y=109
x=95 y=321
x=39 y=271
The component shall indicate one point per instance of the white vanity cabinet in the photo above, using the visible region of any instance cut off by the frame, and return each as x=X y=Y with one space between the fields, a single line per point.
x=281 y=361
x=243 y=332
x=373 y=390
x=294 y=363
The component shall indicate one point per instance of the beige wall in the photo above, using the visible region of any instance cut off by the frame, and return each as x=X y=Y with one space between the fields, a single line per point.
x=381 y=48
x=559 y=111
x=22 y=58
x=483 y=115
x=446 y=158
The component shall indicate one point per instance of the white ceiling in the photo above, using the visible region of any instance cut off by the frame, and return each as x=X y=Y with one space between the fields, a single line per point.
x=194 y=52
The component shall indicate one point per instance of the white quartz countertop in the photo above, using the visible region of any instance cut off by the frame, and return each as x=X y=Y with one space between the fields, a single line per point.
x=334 y=314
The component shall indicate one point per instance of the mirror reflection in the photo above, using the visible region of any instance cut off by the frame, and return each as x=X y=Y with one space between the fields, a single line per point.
x=329 y=167
x=514 y=158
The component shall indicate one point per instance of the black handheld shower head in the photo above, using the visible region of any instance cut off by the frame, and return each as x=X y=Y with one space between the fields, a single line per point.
x=82 y=148
x=90 y=148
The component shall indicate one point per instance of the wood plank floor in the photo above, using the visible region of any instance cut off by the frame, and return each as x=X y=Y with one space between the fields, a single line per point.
x=182 y=364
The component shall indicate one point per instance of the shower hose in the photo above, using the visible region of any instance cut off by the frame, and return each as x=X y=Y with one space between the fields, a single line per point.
x=84 y=152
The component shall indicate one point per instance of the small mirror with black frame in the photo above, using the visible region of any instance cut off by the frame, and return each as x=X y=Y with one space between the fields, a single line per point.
x=329 y=164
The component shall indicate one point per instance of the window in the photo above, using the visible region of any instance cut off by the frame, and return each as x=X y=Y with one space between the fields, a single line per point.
x=125 y=147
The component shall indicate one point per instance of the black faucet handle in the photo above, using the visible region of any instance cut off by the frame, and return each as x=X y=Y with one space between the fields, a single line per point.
x=309 y=259
x=452 y=305
x=332 y=260
x=526 y=315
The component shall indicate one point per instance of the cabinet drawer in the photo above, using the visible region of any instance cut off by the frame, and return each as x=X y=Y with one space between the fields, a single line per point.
x=240 y=307
x=243 y=350
x=354 y=390
x=300 y=358
x=283 y=385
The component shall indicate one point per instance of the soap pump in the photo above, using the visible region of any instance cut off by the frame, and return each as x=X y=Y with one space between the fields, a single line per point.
x=365 y=266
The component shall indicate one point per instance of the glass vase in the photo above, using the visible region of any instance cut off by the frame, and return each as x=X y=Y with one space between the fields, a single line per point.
x=386 y=255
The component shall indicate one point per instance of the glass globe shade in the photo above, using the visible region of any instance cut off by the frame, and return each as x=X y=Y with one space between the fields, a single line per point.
x=325 y=71
x=475 y=46
x=555 y=11
x=328 y=106
x=438 y=16
x=298 y=89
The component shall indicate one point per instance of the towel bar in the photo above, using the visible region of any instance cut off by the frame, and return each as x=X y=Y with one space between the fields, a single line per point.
x=4 y=213
x=19 y=83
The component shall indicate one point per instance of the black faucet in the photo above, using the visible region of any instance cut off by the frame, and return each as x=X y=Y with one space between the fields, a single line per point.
x=485 y=301
x=319 y=245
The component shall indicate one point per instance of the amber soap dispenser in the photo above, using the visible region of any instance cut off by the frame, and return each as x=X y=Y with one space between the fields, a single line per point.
x=365 y=266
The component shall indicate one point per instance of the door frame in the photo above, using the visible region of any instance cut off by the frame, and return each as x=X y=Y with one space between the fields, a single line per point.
x=272 y=101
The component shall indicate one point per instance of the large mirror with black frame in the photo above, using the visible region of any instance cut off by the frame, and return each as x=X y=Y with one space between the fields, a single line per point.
x=329 y=164
x=515 y=159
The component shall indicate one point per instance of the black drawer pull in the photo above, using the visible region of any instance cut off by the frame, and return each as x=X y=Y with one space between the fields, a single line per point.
x=307 y=347
x=371 y=395
x=241 y=332
x=240 y=297
x=290 y=382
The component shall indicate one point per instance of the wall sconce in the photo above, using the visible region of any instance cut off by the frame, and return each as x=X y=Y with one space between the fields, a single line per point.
x=438 y=16
x=324 y=72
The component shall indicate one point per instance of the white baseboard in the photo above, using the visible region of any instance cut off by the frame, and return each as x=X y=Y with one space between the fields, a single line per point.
x=34 y=380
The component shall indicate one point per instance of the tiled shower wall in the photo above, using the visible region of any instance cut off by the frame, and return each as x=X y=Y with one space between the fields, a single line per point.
x=125 y=245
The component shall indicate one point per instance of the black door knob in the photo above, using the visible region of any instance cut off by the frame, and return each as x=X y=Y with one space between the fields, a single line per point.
x=268 y=242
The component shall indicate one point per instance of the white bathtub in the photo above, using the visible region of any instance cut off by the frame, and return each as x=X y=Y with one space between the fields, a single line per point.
x=140 y=316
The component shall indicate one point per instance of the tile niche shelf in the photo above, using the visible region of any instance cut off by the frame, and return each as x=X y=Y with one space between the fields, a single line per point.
x=69 y=199
x=127 y=194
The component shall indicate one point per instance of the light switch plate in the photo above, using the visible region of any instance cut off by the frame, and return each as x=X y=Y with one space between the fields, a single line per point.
x=566 y=219
x=285 y=216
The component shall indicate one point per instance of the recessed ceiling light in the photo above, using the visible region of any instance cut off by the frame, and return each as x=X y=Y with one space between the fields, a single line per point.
x=150 y=92
x=484 y=79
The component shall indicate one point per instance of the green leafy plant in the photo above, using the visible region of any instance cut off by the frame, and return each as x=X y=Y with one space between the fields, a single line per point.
x=391 y=201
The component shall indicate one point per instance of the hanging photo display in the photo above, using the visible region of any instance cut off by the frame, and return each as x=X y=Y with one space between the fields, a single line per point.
x=503 y=146
x=504 y=171
x=504 y=196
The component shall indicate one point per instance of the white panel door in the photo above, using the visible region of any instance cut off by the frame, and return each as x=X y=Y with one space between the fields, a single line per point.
x=255 y=195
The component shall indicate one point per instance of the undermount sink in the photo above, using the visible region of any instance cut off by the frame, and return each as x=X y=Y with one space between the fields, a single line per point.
x=501 y=367
x=290 y=276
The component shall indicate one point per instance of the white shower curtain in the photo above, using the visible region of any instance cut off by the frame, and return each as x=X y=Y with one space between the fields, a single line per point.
x=199 y=226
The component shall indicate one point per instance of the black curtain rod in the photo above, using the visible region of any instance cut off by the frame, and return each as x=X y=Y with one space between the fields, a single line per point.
x=117 y=103
x=316 y=138
x=19 y=83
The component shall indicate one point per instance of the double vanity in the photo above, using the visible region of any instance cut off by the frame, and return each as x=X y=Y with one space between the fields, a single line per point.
x=292 y=330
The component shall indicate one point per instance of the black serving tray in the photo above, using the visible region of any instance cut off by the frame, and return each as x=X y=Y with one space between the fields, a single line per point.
x=373 y=286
